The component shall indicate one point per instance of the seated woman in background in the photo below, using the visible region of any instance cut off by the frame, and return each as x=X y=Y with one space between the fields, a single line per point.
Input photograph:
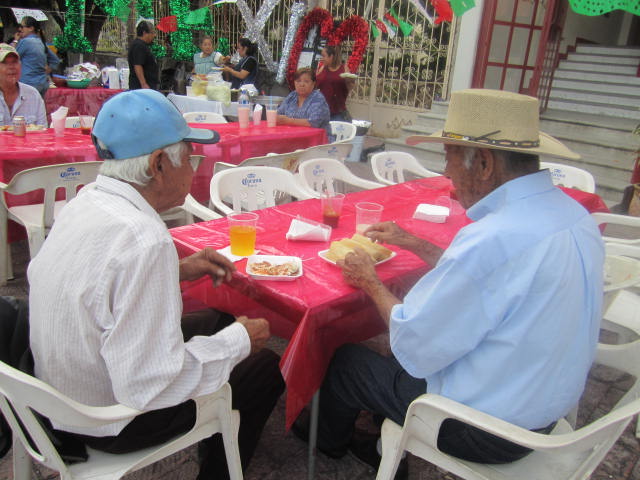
x=246 y=70
x=305 y=106
x=334 y=88
x=204 y=60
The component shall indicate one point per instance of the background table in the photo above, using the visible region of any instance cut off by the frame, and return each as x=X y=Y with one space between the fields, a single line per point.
x=193 y=104
x=85 y=101
x=319 y=312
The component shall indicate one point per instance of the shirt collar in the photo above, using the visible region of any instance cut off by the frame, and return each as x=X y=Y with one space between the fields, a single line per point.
x=516 y=189
x=126 y=191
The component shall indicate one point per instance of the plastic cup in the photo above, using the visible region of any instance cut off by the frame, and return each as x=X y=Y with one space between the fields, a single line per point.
x=367 y=214
x=58 y=126
x=331 y=209
x=272 y=116
x=243 y=117
x=86 y=124
x=242 y=233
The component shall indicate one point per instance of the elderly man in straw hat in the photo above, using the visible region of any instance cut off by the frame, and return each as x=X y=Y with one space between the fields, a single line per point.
x=507 y=320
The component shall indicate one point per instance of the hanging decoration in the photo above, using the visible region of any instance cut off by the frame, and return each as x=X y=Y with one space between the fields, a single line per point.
x=297 y=11
x=375 y=31
x=72 y=39
x=255 y=27
x=223 y=46
x=389 y=26
x=593 y=8
x=422 y=10
x=168 y=24
x=113 y=7
x=443 y=11
x=317 y=16
x=197 y=17
x=459 y=7
x=405 y=28
x=182 y=38
x=358 y=29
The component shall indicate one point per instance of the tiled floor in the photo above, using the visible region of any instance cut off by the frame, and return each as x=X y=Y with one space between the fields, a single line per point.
x=282 y=456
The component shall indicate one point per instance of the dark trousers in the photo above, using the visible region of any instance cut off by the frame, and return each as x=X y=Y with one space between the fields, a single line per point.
x=361 y=379
x=256 y=384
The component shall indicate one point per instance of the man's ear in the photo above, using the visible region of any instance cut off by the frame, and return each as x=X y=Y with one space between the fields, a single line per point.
x=486 y=163
x=155 y=163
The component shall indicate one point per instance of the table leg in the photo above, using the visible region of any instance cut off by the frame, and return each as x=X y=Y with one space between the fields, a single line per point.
x=313 y=434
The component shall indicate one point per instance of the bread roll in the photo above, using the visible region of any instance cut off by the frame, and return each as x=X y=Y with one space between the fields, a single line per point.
x=340 y=248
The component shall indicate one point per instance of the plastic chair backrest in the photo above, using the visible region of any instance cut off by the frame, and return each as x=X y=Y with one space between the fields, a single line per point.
x=72 y=122
x=343 y=131
x=204 y=117
x=630 y=225
x=50 y=178
x=286 y=161
x=388 y=167
x=621 y=270
x=320 y=174
x=571 y=177
x=338 y=151
x=251 y=188
x=561 y=455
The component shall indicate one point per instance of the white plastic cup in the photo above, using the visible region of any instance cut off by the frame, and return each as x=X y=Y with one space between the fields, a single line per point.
x=367 y=214
x=243 y=117
x=272 y=116
x=58 y=126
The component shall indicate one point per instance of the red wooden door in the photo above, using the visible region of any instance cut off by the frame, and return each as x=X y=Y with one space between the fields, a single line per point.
x=513 y=36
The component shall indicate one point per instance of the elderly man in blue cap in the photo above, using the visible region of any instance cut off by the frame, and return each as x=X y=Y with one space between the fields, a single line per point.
x=106 y=309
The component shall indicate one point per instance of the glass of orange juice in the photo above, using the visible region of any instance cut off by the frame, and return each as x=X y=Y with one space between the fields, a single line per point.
x=242 y=233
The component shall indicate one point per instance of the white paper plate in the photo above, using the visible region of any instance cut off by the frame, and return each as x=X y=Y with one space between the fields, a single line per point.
x=348 y=75
x=274 y=260
x=322 y=254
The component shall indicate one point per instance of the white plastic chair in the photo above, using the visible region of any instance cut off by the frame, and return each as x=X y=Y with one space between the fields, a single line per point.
x=562 y=455
x=571 y=177
x=389 y=167
x=204 y=117
x=190 y=208
x=287 y=161
x=21 y=394
x=626 y=224
x=621 y=271
x=251 y=188
x=343 y=131
x=320 y=174
x=338 y=151
x=38 y=218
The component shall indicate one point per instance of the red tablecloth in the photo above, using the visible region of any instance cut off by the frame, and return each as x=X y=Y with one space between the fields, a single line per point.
x=86 y=101
x=238 y=144
x=319 y=312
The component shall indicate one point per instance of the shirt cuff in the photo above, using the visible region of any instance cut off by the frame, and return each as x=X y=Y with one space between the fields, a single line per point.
x=237 y=337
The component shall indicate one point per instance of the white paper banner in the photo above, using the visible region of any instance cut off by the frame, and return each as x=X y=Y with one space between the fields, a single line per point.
x=29 y=12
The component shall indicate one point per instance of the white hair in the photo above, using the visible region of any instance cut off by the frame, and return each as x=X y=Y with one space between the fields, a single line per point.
x=468 y=154
x=136 y=169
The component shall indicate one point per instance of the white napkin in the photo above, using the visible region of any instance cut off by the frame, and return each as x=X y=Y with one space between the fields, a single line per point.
x=226 y=252
x=302 y=230
x=60 y=113
x=431 y=213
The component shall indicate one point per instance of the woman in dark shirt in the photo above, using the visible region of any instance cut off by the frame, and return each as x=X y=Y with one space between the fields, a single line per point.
x=246 y=70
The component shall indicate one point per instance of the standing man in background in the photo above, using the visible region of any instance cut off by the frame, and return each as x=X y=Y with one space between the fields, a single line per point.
x=143 y=68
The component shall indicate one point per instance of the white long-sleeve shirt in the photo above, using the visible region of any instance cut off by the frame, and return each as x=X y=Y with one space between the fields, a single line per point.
x=105 y=309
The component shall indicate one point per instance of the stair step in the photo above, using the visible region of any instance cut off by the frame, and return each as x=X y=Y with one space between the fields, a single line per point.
x=599 y=67
x=595 y=108
x=627 y=102
x=604 y=77
x=604 y=57
x=624 y=125
x=431 y=121
x=603 y=49
x=589 y=86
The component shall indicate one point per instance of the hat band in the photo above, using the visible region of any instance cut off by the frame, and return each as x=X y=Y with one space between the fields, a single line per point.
x=490 y=141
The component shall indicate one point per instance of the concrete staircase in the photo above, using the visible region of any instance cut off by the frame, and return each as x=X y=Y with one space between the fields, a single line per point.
x=593 y=107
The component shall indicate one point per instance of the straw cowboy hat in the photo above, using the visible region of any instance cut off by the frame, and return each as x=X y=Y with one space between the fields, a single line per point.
x=495 y=119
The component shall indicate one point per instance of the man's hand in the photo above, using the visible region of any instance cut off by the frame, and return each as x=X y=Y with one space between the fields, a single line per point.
x=258 y=330
x=359 y=270
x=389 y=232
x=206 y=262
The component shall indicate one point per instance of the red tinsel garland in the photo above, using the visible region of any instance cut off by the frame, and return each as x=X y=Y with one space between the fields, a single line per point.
x=355 y=27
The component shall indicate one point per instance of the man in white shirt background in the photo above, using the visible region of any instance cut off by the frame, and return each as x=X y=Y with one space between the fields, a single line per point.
x=105 y=298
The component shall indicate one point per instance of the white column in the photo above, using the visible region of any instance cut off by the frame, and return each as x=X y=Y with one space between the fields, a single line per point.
x=467 y=44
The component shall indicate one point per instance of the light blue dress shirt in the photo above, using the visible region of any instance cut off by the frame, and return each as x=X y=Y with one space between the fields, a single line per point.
x=29 y=104
x=34 y=57
x=507 y=322
x=315 y=109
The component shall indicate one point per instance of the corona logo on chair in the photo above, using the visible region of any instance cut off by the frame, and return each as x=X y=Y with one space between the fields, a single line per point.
x=69 y=173
x=389 y=162
x=251 y=179
x=318 y=170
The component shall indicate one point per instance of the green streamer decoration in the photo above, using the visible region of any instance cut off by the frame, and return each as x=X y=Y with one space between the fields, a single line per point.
x=113 y=8
x=182 y=40
x=223 y=46
x=72 y=39
x=593 y=8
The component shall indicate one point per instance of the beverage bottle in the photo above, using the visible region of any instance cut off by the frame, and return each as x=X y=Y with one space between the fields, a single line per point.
x=243 y=109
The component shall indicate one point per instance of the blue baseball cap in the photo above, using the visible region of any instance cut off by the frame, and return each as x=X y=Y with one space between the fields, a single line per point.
x=139 y=122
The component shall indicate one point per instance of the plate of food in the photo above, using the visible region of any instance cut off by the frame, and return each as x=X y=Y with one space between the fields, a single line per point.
x=340 y=248
x=351 y=76
x=274 y=267
x=29 y=128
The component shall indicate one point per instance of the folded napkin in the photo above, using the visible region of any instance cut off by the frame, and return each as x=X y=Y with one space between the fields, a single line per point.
x=226 y=252
x=306 y=230
x=431 y=213
x=60 y=113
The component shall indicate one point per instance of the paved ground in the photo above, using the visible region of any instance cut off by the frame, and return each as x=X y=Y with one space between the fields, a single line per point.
x=282 y=456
